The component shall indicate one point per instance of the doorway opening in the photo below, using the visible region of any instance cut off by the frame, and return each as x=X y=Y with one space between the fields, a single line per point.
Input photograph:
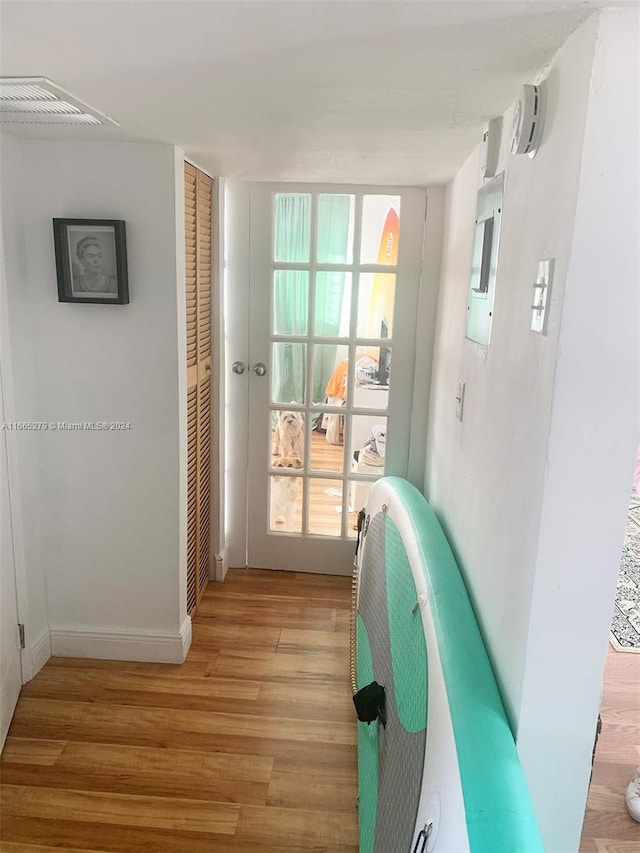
x=326 y=383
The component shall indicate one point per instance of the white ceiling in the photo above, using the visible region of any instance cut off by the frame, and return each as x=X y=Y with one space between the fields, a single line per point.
x=379 y=92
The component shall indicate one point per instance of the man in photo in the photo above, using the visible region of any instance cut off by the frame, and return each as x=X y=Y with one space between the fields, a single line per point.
x=93 y=278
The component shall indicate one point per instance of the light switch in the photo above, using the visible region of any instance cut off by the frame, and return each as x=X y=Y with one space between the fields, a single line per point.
x=460 y=400
x=541 y=296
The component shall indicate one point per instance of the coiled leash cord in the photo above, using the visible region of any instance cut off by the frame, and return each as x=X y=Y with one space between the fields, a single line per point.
x=353 y=615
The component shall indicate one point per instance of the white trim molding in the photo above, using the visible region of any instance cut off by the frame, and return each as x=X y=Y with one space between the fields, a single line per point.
x=67 y=641
x=40 y=654
x=185 y=633
x=221 y=565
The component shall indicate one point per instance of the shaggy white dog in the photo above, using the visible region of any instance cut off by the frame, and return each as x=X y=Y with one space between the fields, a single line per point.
x=288 y=435
x=284 y=493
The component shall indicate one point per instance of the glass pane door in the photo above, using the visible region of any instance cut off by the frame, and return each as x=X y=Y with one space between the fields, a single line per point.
x=330 y=269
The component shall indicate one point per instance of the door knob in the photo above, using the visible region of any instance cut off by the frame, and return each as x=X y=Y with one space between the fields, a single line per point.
x=260 y=369
x=238 y=368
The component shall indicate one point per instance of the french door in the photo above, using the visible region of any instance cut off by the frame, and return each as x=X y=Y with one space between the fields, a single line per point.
x=334 y=285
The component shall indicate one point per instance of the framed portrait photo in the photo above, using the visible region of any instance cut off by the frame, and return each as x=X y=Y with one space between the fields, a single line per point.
x=91 y=260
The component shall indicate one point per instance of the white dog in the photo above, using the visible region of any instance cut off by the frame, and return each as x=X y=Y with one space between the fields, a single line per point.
x=284 y=493
x=288 y=436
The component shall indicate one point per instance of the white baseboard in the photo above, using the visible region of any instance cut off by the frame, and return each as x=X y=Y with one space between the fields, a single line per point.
x=122 y=645
x=40 y=652
x=185 y=633
x=221 y=565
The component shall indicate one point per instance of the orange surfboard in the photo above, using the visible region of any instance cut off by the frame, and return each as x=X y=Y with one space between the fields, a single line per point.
x=383 y=289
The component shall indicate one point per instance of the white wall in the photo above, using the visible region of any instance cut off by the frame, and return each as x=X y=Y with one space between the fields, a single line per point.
x=500 y=479
x=101 y=509
x=485 y=476
x=593 y=436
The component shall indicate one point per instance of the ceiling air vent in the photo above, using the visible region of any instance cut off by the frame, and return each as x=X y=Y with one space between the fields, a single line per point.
x=36 y=100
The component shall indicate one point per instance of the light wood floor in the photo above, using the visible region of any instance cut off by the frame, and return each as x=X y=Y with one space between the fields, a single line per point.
x=250 y=745
x=607 y=826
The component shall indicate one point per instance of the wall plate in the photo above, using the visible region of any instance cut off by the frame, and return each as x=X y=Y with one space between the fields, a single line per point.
x=460 y=401
x=541 y=296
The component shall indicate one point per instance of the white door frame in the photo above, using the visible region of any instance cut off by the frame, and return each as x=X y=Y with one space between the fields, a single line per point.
x=240 y=265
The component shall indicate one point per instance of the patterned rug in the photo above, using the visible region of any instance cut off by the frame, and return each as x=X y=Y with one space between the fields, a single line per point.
x=625 y=627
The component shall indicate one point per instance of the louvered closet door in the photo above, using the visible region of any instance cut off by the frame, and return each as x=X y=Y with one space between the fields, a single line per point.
x=198 y=234
x=203 y=265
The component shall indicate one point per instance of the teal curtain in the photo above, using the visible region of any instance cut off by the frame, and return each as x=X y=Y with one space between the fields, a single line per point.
x=334 y=247
x=292 y=242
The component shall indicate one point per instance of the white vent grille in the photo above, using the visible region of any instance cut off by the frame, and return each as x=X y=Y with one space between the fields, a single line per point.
x=36 y=100
x=13 y=105
x=15 y=91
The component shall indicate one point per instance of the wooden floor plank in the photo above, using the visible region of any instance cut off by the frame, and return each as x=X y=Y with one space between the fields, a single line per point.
x=273 y=698
x=109 y=838
x=305 y=596
x=167 y=727
x=298 y=700
x=192 y=667
x=301 y=826
x=310 y=668
x=342 y=622
x=16 y=847
x=324 y=793
x=207 y=633
x=115 y=769
x=126 y=757
x=314 y=642
x=268 y=614
x=80 y=685
x=101 y=807
x=31 y=751
x=612 y=845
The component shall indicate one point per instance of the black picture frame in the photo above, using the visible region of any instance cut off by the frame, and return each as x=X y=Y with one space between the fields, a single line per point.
x=91 y=261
